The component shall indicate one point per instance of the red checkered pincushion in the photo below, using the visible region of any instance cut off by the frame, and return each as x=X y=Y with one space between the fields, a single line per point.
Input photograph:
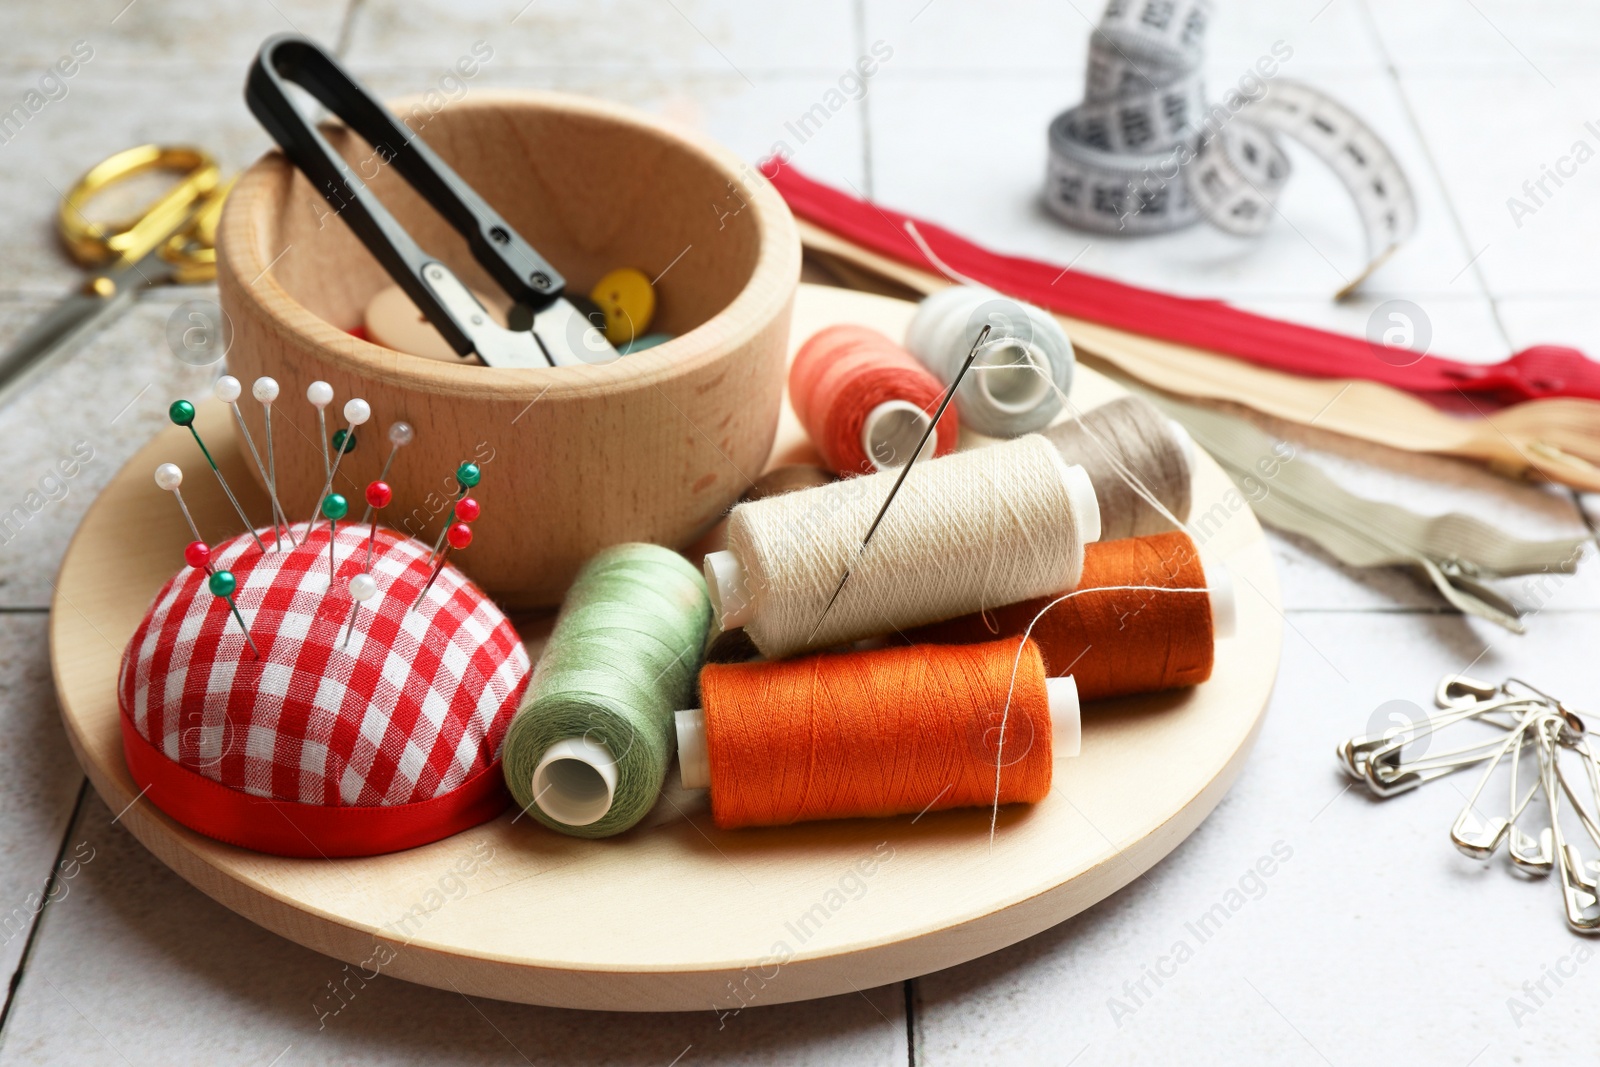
x=318 y=748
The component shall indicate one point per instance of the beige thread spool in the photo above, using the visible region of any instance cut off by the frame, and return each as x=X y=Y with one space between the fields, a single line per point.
x=972 y=530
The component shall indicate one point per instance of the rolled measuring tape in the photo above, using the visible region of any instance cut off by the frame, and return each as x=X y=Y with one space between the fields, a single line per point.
x=1145 y=153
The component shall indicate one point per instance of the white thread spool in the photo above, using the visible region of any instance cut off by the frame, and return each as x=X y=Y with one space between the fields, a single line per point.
x=1022 y=371
x=967 y=531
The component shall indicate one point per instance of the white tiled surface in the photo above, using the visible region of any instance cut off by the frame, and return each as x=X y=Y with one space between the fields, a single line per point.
x=1374 y=940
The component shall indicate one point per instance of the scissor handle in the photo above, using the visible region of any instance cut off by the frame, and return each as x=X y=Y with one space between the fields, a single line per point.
x=94 y=243
x=509 y=259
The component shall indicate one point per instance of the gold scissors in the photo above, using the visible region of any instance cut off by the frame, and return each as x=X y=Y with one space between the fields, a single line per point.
x=173 y=241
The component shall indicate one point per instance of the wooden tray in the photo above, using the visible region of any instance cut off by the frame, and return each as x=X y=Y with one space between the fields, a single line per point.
x=677 y=915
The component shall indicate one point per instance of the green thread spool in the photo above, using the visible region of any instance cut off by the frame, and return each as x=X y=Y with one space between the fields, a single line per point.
x=588 y=751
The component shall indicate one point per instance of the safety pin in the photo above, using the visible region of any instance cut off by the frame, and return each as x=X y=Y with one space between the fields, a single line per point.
x=1471 y=691
x=1357 y=752
x=1576 y=890
x=1480 y=840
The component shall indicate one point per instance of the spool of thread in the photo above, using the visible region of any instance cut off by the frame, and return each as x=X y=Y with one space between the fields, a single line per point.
x=1115 y=640
x=865 y=401
x=889 y=732
x=1150 y=446
x=975 y=529
x=1012 y=386
x=589 y=749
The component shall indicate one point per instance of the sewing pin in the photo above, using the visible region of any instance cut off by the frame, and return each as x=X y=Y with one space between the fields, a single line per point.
x=949 y=394
x=459 y=535
x=197 y=554
x=362 y=589
x=181 y=412
x=222 y=584
x=169 y=476
x=228 y=390
x=334 y=508
x=400 y=435
x=378 y=496
x=356 y=412
x=467 y=477
x=320 y=395
x=265 y=390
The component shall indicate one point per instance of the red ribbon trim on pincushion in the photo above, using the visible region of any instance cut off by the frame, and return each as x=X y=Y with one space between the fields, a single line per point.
x=306 y=831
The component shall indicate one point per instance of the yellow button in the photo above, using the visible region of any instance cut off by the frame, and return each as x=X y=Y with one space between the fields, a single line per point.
x=628 y=300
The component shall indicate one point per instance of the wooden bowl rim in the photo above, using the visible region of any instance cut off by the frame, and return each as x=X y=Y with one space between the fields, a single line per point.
x=263 y=186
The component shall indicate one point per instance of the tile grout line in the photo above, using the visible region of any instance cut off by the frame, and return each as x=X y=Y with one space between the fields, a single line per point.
x=911 y=1022
x=1433 y=164
x=860 y=34
x=346 y=34
x=38 y=919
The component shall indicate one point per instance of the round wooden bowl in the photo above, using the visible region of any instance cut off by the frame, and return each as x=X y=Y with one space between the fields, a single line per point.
x=651 y=447
x=676 y=914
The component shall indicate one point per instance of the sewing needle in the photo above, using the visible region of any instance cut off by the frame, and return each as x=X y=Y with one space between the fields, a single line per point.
x=933 y=424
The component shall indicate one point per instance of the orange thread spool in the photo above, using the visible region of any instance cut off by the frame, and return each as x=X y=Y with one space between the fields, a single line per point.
x=888 y=732
x=1113 y=641
x=845 y=384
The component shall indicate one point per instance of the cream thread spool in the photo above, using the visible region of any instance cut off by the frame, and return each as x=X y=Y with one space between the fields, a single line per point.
x=971 y=530
x=1022 y=372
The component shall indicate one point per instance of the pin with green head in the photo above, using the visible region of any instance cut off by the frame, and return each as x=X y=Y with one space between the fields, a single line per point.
x=181 y=412
x=468 y=475
x=334 y=508
x=222 y=584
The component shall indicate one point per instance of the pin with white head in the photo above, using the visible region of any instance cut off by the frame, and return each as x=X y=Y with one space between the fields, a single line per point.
x=363 y=587
x=181 y=412
x=265 y=390
x=228 y=390
x=400 y=435
x=356 y=413
x=320 y=394
x=169 y=476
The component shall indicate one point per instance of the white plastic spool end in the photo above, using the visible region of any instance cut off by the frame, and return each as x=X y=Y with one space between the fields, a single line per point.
x=1085 y=505
x=575 y=781
x=725 y=581
x=891 y=431
x=1013 y=374
x=1066 y=722
x=694 y=767
x=1224 y=602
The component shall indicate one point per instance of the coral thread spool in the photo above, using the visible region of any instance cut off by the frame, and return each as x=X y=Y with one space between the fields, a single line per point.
x=889 y=732
x=865 y=401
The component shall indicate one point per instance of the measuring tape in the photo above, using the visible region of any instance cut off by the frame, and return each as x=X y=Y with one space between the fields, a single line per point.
x=1144 y=153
